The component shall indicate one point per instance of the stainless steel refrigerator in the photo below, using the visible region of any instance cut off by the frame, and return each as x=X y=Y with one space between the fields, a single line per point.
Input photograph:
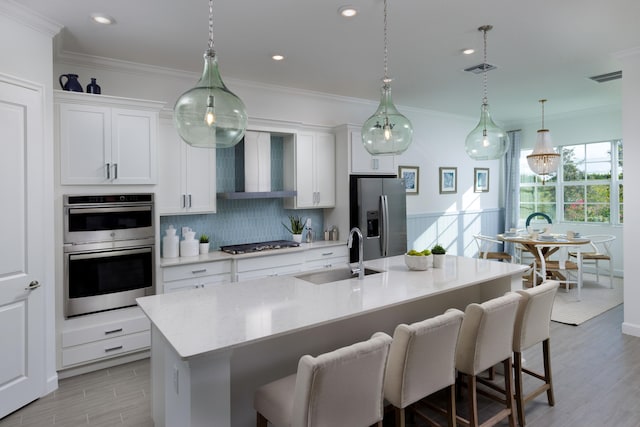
x=378 y=207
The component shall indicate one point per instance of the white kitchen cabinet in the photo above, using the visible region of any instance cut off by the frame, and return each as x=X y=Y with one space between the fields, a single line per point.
x=106 y=140
x=364 y=163
x=197 y=275
x=94 y=337
x=269 y=265
x=327 y=257
x=309 y=169
x=187 y=182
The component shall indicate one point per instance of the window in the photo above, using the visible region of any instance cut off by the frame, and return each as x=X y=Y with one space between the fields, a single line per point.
x=588 y=187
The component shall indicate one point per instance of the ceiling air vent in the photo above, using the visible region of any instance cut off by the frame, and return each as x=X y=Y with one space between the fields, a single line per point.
x=478 y=69
x=607 y=77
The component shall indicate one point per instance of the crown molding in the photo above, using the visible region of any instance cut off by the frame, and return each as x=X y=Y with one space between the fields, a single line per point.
x=25 y=16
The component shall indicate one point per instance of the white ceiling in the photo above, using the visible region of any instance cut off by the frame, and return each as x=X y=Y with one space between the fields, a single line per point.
x=542 y=48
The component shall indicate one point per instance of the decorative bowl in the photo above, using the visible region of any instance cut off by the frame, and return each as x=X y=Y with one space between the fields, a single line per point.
x=418 y=262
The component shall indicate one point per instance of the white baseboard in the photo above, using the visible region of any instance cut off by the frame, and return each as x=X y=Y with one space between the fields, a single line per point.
x=631 y=329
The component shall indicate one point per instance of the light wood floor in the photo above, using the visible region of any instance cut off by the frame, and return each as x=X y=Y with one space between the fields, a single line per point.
x=596 y=375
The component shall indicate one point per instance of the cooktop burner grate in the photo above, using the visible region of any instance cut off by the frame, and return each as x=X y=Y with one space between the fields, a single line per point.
x=259 y=246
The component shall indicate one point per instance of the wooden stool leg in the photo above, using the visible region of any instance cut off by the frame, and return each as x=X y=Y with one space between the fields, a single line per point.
x=261 y=421
x=508 y=369
x=517 y=373
x=451 y=406
x=546 y=355
x=473 y=401
x=400 y=417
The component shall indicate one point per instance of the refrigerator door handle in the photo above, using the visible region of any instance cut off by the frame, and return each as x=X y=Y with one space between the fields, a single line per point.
x=384 y=238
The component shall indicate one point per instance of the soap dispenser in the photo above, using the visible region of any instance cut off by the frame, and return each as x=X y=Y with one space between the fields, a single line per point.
x=309 y=231
x=170 y=243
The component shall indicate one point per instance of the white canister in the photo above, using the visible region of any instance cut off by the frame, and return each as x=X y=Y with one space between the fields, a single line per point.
x=170 y=243
x=189 y=246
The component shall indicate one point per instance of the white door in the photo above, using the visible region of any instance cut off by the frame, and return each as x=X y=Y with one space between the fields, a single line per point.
x=22 y=265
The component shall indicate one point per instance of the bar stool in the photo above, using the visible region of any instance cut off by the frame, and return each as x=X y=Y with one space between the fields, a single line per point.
x=339 y=388
x=532 y=327
x=422 y=362
x=486 y=339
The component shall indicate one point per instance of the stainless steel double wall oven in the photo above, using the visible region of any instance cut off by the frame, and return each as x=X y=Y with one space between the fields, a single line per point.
x=109 y=253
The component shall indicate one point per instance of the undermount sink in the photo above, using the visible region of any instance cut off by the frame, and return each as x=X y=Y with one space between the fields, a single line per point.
x=333 y=275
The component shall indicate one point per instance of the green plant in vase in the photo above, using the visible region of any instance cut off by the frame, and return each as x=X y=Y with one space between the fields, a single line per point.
x=296 y=226
x=204 y=238
x=438 y=256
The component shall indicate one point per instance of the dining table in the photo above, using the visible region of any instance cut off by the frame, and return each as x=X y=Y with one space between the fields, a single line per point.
x=529 y=243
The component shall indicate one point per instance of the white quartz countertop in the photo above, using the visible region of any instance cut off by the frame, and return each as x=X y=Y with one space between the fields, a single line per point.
x=206 y=320
x=220 y=255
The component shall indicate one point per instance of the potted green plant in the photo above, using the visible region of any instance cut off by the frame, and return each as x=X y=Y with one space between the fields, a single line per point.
x=296 y=227
x=438 y=255
x=204 y=244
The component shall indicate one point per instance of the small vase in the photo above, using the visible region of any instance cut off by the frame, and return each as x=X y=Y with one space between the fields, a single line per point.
x=204 y=248
x=297 y=238
x=438 y=260
x=93 y=87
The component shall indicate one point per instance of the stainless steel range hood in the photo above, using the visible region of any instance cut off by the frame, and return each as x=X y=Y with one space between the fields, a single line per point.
x=253 y=170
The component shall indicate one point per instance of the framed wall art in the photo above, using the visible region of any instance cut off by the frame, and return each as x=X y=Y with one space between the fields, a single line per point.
x=448 y=180
x=411 y=175
x=480 y=180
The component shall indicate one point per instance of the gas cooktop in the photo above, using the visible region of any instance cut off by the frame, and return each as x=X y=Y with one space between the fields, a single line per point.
x=259 y=246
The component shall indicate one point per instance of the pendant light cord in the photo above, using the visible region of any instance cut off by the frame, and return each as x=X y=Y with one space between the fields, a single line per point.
x=386 y=78
x=542 y=101
x=484 y=29
x=211 y=49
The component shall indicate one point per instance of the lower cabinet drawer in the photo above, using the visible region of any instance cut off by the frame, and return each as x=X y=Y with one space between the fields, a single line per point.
x=105 y=348
x=87 y=333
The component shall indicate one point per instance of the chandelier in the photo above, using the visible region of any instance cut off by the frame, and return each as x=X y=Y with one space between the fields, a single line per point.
x=543 y=160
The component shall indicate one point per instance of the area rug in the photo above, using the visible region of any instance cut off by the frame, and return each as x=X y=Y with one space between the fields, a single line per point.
x=596 y=299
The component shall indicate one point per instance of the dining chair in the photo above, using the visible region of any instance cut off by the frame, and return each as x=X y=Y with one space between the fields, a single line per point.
x=422 y=362
x=532 y=327
x=486 y=244
x=601 y=251
x=561 y=269
x=343 y=387
x=485 y=340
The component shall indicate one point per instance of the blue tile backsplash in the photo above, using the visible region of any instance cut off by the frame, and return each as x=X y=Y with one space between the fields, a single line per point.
x=246 y=220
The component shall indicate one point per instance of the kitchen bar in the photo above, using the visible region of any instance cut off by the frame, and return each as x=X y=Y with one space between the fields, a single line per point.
x=211 y=348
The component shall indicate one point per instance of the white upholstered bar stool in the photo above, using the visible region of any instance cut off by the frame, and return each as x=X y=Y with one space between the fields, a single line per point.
x=486 y=339
x=339 y=388
x=531 y=328
x=422 y=362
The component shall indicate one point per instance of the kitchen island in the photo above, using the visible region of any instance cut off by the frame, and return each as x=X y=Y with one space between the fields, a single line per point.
x=212 y=347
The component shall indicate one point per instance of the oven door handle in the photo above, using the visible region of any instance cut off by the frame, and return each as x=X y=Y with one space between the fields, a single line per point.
x=110 y=209
x=110 y=253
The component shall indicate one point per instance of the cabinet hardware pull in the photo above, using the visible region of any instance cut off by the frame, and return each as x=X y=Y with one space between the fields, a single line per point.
x=33 y=285
x=106 y=350
x=108 y=170
x=327 y=253
x=189 y=200
x=113 y=331
x=184 y=200
x=115 y=171
x=202 y=270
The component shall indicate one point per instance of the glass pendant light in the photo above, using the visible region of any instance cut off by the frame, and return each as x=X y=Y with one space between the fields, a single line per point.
x=210 y=115
x=387 y=132
x=543 y=160
x=487 y=141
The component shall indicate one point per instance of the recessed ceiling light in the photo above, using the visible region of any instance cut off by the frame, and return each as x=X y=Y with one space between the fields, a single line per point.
x=277 y=57
x=348 y=11
x=468 y=51
x=103 y=19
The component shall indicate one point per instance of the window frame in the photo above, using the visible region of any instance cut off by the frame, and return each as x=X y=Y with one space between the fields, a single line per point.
x=615 y=184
